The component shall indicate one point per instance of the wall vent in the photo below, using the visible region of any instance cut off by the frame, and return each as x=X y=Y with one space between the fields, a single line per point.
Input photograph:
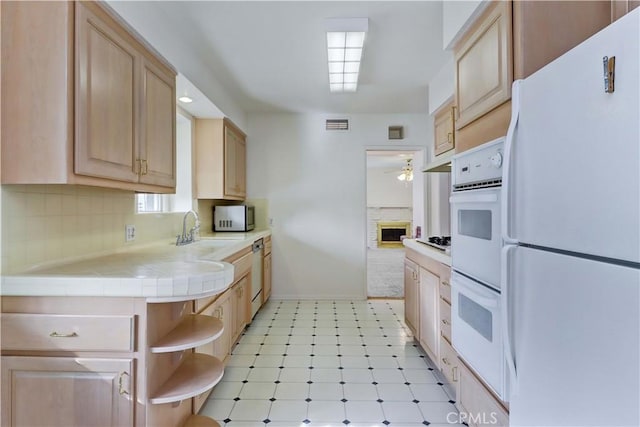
x=337 y=124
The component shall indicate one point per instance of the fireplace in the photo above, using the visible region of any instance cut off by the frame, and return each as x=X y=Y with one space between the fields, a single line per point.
x=390 y=233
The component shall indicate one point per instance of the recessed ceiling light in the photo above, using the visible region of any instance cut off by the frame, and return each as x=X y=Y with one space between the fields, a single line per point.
x=185 y=99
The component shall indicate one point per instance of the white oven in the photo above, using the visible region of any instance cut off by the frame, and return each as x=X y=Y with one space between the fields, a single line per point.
x=475 y=233
x=476 y=329
x=476 y=242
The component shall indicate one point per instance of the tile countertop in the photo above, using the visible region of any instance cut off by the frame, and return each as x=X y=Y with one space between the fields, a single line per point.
x=427 y=250
x=159 y=272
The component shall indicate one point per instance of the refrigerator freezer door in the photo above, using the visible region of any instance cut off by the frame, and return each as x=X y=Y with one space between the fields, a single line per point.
x=575 y=175
x=576 y=334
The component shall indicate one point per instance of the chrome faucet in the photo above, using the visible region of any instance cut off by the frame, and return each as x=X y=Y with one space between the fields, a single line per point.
x=185 y=238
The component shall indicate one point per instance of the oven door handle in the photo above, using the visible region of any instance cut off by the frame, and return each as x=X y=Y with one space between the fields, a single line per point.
x=473 y=198
x=474 y=295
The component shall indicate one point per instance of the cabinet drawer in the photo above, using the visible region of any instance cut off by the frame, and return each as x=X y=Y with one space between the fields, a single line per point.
x=242 y=266
x=448 y=361
x=445 y=283
x=445 y=319
x=67 y=333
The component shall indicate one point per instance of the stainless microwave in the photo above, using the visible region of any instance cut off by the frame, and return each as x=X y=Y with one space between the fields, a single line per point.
x=234 y=218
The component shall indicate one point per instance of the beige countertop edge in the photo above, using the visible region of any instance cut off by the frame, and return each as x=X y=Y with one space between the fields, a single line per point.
x=155 y=289
x=425 y=250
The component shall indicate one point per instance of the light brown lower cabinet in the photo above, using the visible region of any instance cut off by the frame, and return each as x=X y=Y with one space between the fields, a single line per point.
x=266 y=279
x=429 y=319
x=411 y=308
x=477 y=406
x=67 y=391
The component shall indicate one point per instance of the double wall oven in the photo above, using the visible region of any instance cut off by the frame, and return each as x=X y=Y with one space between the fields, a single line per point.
x=475 y=259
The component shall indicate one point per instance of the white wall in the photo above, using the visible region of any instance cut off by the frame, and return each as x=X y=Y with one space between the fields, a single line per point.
x=385 y=190
x=457 y=17
x=442 y=85
x=315 y=185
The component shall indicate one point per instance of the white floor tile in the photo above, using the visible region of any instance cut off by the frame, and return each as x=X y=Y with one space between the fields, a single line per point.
x=241 y=360
x=256 y=390
x=326 y=391
x=294 y=375
x=354 y=362
x=293 y=361
x=272 y=349
x=360 y=392
x=235 y=373
x=325 y=362
x=363 y=376
x=263 y=375
x=326 y=339
x=353 y=350
x=364 y=412
x=395 y=393
x=250 y=410
x=384 y=376
x=268 y=361
x=383 y=362
x=401 y=412
x=429 y=392
x=326 y=375
x=322 y=411
x=226 y=390
x=301 y=339
x=288 y=410
x=276 y=339
x=292 y=391
x=437 y=412
x=420 y=376
x=247 y=348
x=218 y=409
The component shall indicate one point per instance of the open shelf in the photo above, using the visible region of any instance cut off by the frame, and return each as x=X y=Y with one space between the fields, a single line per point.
x=194 y=330
x=196 y=374
x=200 y=421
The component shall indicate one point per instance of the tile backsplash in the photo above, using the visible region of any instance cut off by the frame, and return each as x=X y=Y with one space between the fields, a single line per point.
x=46 y=223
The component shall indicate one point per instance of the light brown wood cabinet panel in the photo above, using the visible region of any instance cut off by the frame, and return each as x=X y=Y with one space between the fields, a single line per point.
x=483 y=65
x=266 y=279
x=475 y=400
x=411 y=299
x=449 y=363
x=443 y=129
x=221 y=156
x=74 y=75
x=158 y=127
x=67 y=391
x=619 y=8
x=242 y=306
x=429 y=318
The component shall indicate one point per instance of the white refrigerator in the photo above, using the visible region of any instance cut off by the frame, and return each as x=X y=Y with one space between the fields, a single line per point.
x=571 y=232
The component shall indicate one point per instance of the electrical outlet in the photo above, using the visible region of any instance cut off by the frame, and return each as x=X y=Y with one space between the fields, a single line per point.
x=129 y=233
x=270 y=222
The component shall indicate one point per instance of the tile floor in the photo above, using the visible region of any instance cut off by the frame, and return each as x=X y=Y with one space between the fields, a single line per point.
x=325 y=363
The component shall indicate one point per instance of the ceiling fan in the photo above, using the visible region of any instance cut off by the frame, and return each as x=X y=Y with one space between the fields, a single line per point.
x=406 y=173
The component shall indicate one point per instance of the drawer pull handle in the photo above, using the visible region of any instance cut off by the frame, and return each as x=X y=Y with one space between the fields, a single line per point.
x=445 y=283
x=445 y=321
x=121 y=386
x=55 y=334
x=446 y=362
x=454 y=373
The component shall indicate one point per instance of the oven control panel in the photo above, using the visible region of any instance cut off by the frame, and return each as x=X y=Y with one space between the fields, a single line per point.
x=482 y=164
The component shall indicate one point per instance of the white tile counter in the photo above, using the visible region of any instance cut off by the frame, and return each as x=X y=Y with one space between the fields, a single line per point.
x=160 y=272
x=428 y=251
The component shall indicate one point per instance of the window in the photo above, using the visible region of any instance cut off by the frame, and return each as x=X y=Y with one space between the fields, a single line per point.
x=181 y=201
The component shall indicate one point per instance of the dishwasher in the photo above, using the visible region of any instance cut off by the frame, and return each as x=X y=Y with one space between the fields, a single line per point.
x=256 y=276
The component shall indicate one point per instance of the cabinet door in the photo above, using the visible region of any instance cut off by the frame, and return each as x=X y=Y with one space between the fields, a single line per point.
x=475 y=399
x=411 y=296
x=107 y=68
x=484 y=65
x=429 y=319
x=66 y=391
x=242 y=303
x=443 y=131
x=235 y=158
x=158 y=126
x=266 y=279
x=619 y=8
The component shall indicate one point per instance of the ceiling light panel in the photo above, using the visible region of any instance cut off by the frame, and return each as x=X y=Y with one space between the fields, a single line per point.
x=345 y=41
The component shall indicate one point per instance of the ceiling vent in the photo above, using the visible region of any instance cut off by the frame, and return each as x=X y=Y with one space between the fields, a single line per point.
x=337 y=124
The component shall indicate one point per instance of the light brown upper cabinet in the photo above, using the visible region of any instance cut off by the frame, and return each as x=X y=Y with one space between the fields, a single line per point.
x=512 y=40
x=483 y=65
x=444 y=135
x=86 y=100
x=619 y=8
x=221 y=156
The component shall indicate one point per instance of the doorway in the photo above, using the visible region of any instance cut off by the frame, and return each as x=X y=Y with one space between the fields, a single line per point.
x=394 y=210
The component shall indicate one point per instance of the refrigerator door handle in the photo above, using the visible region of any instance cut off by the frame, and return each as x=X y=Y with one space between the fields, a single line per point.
x=506 y=320
x=506 y=166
